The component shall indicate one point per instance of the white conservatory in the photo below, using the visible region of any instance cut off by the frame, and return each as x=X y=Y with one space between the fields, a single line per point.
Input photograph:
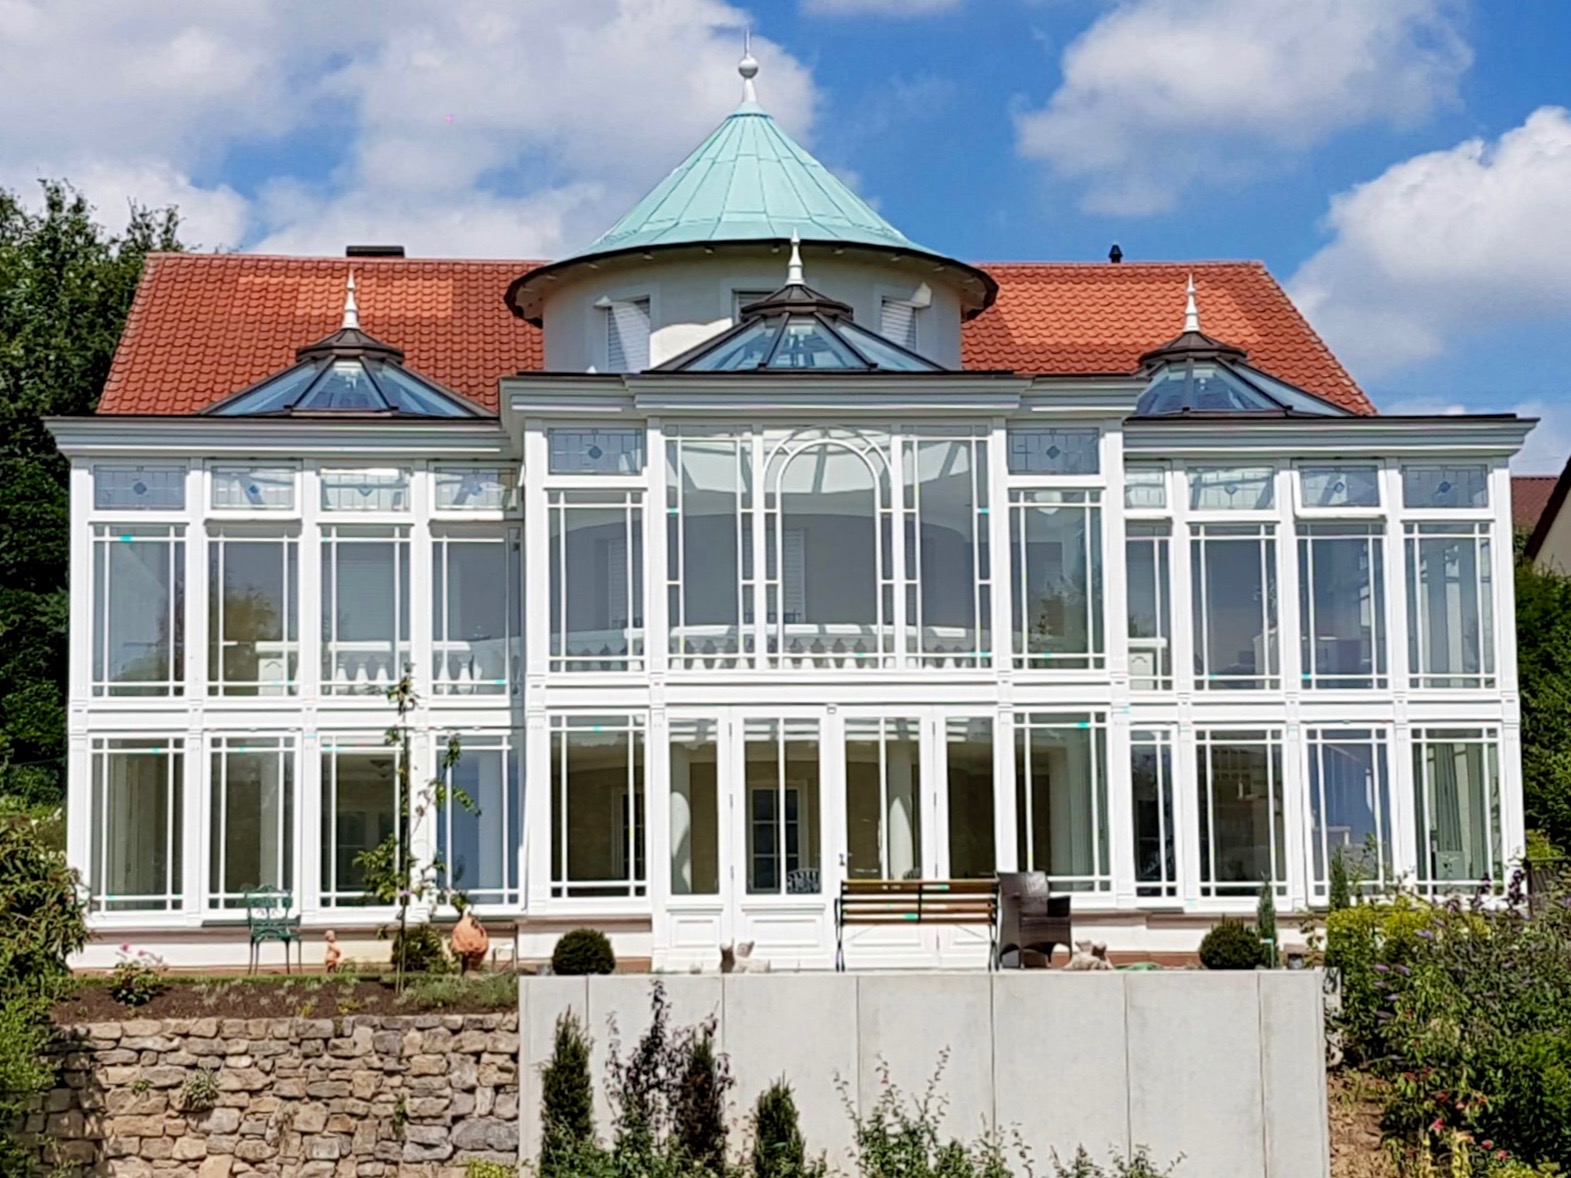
x=753 y=580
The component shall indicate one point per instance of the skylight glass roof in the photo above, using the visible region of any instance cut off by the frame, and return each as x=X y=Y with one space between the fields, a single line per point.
x=1206 y=385
x=355 y=376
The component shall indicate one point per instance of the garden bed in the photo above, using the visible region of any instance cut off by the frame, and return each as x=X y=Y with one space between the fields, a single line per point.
x=308 y=996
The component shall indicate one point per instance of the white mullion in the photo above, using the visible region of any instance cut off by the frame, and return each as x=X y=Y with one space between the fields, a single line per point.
x=218 y=675
x=221 y=852
x=1308 y=622
x=1202 y=582
x=170 y=818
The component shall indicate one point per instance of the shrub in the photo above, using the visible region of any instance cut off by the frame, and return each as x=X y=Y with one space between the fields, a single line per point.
x=421 y=949
x=583 y=951
x=1232 y=944
x=137 y=978
x=1265 y=927
x=479 y=1169
x=778 y=1148
x=567 y=1103
x=200 y=1092
x=1340 y=888
x=698 y=1111
x=1137 y=1165
x=487 y=991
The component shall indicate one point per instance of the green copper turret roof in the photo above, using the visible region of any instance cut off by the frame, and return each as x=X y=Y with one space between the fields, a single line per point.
x=749 y=181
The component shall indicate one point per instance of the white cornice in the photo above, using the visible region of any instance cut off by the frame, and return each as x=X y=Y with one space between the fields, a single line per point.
x=293 y=437
x=1448 y=435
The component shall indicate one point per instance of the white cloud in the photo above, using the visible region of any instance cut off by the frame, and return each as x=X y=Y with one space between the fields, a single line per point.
x=1546 y=447
x=1445 y=244
x=1159 y=96
x=878 y=7
x=462 y=126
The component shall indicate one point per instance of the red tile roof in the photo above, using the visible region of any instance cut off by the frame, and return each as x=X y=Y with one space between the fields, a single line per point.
x=1529 y=496
x=206 y=325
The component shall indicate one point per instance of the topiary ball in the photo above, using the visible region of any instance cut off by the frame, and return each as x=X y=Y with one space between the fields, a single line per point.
x=1232 y=944
x=583 y=951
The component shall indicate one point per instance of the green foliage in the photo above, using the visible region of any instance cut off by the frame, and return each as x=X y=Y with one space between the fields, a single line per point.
x=567 y=1103
x=41 y=924
x=1231 y=944
x=1340 y=884
x=698 y=1104
x=1461 y=1010
x=479 y=1169
x=485 y=991
x=1543 y=624
x=200 y=1093
x=1137 y=1165
x=583 y=951
x=418 y=949
x=65 y=287
x=779 y=1150
x=138 y=977
x=1265 y=927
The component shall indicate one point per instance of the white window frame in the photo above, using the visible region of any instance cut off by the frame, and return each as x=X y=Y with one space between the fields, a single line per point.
x=884 y=730
x=401 y=654
x=683 y=641
x=218 y=540
x=331 y=746
x=1372 y=531
x=1317 y=739
x=503 y=741
x=216 y=797
x=603 y=311
x=809 y=817
x=1481 y=535
x=1267 y=541
x=445 y=647
x=600 y=497
x=1094 y=658
x=1488 y=737
x=177 y=637
x=1099 y=882
x=177 y=793
x=1167 y=889
x=630 y=884
x=1241 y=734
x=909 y=449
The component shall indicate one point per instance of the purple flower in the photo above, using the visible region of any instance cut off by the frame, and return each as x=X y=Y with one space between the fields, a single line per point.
x=1404 y=971
x=1382 y=967
x=1427 y=934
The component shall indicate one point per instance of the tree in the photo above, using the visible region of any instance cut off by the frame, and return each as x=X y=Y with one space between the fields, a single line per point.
x=65 y=287
x=1543 y=627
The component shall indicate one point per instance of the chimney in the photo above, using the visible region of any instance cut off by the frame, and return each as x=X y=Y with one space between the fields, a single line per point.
x=373 y=251
x=1115 y=255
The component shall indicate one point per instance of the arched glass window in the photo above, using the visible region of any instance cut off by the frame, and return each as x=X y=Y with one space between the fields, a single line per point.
x=829 y=566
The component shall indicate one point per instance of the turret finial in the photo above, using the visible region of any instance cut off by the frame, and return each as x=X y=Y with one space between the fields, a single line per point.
x=748 y=68
x=794 y=267
x=1191 y=310
x=351 y=308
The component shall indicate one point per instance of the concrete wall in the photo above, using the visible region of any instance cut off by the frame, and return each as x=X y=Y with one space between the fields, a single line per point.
x=1226 y=1069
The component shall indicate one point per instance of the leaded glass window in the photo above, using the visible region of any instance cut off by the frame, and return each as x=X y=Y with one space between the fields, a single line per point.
x=1035 y=450
x=139 y=488
x=1445 y=486
x=576 y=450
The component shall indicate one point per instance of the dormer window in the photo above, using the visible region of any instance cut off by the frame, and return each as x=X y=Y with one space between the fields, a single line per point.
x=897 y=321
x=627 y=334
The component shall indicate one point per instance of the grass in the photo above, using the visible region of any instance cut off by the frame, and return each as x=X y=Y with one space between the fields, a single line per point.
x=444 y=991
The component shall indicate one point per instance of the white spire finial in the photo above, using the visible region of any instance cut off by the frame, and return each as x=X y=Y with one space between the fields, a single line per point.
x=1191 y=310
x=351 y=308
x=794 y=267
x=748 y=68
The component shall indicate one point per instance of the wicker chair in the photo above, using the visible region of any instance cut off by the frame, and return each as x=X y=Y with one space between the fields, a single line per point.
x=1030 y=920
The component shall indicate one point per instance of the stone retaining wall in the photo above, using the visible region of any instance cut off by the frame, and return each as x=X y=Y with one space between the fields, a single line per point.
x=411 y=1096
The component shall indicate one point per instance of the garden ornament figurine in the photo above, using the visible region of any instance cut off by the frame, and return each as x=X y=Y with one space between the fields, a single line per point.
x=334 y=953
x=1089 y=955
x=470 y=942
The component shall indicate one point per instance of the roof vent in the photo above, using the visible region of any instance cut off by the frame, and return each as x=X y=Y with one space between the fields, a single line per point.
x=373 y=251
x=1115 y=255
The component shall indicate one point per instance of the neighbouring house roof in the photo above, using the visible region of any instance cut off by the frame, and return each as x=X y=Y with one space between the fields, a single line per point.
x=204 y=326
x=1529 y=496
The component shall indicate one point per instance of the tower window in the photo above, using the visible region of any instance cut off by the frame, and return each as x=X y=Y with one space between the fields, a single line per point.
x=897 y=321
x=627 y=335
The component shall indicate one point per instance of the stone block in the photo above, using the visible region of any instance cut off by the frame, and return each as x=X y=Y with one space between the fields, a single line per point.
x=427 y=1065
x=215 y=1167
x=164 y=1077
x=326 y=1147
x=255 y=1149
x=190 y=1148
x=220 y=1121
x=486 y=1133
x=141 y=1027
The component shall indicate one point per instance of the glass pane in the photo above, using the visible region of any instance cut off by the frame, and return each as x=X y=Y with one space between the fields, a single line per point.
x=1151 y=793
x=1145 y=487
x=1053 y=451
x=1150 y=603
x=1197 y=386
x=807 y=343
x=883 y=791
x=695 y=808
x=475 y=602
x=949 y=621
x=597 y=584
x=479 y=847
x=1234 y=609
x=782 y=815
x=139 y=488
x=252 y=602
x=597 y=812
x=460 y=489
x=1349 y=806
x=746 y=350
x=1340 y=486
x=1450 y=605
x=408 y=393
x=707 y=484
x=1342 y=605
x=253 y=833
x=596 y=451
x=346 y=386
x=359 y=812
x=365 y=613
x=138 y=611
x=276 y=394
x=1242 y=826
x=1456 y=779
x=137 y=825
x=882 y=354
x=1242 y=488
x=1061 y=801
x=365 y=490
x=253 y=488
x=970 y=770
x=1445 y=486
x=1057 y=562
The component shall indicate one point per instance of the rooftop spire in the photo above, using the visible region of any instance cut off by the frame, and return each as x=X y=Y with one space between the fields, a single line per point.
x=794 y=267
x=748 y=68
x=1191 y=310
x=351 y=308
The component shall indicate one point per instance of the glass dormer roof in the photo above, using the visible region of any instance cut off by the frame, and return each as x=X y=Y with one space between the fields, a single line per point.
x=797 y=329
x=349 y=372
x=1197 y=374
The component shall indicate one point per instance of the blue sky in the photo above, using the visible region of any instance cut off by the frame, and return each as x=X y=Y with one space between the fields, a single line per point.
x=1403 y=166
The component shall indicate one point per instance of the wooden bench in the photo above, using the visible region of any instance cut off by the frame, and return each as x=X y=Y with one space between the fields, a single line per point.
x=917 y=901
